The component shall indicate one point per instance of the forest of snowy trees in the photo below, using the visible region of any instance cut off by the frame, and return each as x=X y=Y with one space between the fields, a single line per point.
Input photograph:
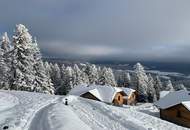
x=65 y=78
x=22 y=68
x=147 y=85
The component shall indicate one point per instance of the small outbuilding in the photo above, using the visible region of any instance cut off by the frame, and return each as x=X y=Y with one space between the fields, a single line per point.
x=175 y=107
x=107 y=94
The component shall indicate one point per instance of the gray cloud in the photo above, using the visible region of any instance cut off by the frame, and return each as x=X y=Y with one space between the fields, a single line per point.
x=118 y=30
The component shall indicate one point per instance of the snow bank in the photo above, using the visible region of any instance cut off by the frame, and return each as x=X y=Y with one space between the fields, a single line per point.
x=7 y=101
x=18 y=108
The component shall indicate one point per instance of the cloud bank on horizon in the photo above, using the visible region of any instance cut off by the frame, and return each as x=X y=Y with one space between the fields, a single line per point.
x=104 y=29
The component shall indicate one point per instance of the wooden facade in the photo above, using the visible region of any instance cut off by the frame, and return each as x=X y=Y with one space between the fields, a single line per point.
x=131 y=99
x=178 y=114
x=118 y=99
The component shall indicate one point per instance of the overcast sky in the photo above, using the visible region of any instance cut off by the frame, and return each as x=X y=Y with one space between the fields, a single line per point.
x=155 y=30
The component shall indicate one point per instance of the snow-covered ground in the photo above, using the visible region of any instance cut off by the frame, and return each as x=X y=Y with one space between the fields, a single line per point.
x=32 y=111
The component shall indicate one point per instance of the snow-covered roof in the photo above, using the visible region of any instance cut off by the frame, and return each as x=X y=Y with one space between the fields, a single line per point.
x=128 y=91
x=175 y=98
x=79 y=89
x=164 y=93
x=187 y=104
x=103 y=93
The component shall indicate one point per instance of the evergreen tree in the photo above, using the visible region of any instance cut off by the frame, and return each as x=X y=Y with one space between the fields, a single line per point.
x=107 y=77
x=62 y=71
x=56 y=76
x=103 y=75
x=92 y=73
x=142 y=82
x=4 y=76
x=180 y=87
x=27 y=67
x=48 y=69
x=5 y=43
x=84 y=76
x=51 y=70
x=111 y=78
x=127 y=79
x=77 y=76
x=4 y=62
x=158 y=86
x=42 y=79
x=151 y=90
x=169 y=86
x=67 y=81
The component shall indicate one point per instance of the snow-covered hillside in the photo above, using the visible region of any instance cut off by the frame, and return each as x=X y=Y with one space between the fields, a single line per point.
x=32 y=111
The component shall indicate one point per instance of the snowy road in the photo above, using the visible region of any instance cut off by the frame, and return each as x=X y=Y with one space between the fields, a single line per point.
x=32 y=111
x=40 y=121
x=57 y=116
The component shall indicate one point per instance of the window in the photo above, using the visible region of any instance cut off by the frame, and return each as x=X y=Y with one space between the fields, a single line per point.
x=119 y=98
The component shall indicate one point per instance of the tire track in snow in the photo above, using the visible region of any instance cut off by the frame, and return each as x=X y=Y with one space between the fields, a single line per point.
x=40 y=121
x=39 y=116
x=93 y=114
x=114 y=115
x=89 y=117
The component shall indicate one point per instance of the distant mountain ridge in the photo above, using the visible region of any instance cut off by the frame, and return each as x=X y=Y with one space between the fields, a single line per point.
x=183 y=68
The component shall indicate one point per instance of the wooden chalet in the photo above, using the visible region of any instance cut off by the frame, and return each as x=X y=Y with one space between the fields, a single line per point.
x=175 y=107
x=107 y=94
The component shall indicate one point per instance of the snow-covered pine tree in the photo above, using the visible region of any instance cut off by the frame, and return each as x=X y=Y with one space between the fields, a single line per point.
x=47 y=68
x=151 y=90
x=67 y=81
x=158 y=86
x=62 y=71
x=92 y=73
x=5 y=43
x=4 y=62
x=3 y=72
x=52 y=69
x=169 y=86
x=107 y=77
x=56 y=76
x=27 y=67
x=180 y=87
x=142 y=82
x=127 y=79
x=77 y=76
x=102 y=77
x=84 y=76
x=23 y=74
x=42 y=79
x=120 y=80
x=99 y=69
x=111 y=78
